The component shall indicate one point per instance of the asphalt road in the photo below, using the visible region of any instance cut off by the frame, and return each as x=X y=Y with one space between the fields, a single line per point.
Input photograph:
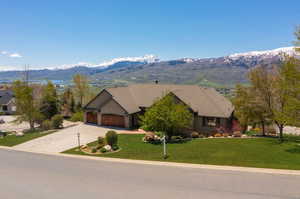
x=35 y=176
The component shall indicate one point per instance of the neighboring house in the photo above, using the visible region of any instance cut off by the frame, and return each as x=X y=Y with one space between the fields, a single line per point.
x=121 y=106
x=7 y=102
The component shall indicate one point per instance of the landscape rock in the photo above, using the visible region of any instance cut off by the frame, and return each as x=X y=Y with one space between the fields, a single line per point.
x=107 y=147
x=20 y=134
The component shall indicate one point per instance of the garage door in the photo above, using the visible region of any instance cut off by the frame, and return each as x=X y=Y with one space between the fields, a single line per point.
x=112 y=120
x=91 y=117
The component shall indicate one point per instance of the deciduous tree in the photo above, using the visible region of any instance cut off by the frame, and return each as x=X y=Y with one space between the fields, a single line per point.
x=27 y=105
x=167 y=115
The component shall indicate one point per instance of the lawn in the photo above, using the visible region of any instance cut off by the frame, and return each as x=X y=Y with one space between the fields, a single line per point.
x=12 y=140
x=248 y=152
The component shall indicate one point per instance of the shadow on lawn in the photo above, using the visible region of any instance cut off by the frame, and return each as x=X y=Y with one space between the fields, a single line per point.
x=295 y=149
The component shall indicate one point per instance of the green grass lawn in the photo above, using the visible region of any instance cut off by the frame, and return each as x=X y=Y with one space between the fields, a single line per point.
x=250 y=152
x=12 y=140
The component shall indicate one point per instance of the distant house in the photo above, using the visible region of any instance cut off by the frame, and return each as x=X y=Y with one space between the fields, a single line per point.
x=121 y=106
x=7 y=102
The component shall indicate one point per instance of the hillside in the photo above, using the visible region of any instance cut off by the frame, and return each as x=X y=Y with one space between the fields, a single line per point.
x=216 y=72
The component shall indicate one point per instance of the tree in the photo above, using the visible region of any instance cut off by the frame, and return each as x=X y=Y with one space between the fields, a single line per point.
x=49 y=101
x=168 y=116
x=278 y=92
x=289 y=85
x=68 y=102
x=81 y=87
x=248 y=108
x=27 y=106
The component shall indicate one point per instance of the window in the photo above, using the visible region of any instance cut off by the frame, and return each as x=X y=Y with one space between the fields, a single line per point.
x=211 y=121
x=4 y=108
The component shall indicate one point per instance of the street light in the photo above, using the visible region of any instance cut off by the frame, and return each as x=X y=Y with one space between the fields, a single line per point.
x=165 y=147
x=78 y=136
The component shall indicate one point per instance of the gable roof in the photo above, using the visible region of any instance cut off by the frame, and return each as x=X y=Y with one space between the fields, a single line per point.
x=205 y=101
x=5 y=96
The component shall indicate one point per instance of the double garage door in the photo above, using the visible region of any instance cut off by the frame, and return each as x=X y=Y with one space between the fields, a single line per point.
x=106 y=119
x=112 y=120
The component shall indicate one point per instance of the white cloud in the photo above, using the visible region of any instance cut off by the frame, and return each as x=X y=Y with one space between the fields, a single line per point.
x=15 y=55
x=12 y=55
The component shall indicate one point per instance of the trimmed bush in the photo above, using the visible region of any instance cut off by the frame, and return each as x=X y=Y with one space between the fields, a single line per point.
x=103 y=150
x=195 y=135
x=111 y=138
x=46 y=125
x=115 y=147
x=77 y=117
x=57 y=121
x=94 y=150
x=101 y=140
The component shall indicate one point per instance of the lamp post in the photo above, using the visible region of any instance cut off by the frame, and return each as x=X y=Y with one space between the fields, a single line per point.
x=165 y=147
x=78 y=136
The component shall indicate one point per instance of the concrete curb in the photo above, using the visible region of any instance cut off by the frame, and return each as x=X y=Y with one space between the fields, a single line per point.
x=172 y=164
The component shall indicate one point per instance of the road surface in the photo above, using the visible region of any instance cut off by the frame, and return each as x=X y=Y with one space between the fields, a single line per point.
x=38 y=176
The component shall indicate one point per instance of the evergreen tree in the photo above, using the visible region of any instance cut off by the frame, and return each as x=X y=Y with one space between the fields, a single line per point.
x=49 y=101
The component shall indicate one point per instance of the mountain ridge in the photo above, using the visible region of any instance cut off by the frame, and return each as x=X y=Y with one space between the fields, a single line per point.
x=226 y=70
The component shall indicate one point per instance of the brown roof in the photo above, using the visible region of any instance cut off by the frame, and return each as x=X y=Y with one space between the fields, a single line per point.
x=204 y=101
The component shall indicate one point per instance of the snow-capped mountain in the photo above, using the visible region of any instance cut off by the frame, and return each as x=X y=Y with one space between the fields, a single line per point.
x=227 y=70
x=265 y=54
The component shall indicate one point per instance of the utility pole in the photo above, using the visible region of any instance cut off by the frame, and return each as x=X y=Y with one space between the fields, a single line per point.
x=26 y=74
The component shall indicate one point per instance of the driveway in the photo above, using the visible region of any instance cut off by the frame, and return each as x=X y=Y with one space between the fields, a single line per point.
x=66 y=138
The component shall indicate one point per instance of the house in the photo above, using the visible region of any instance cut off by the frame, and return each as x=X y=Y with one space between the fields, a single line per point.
x=7 y=102
x=121 y=106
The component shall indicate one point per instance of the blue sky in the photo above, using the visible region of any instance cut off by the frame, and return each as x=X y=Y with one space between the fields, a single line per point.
x=53 y=33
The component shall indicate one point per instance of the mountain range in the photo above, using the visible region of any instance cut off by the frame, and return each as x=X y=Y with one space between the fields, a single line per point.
x=216 y=72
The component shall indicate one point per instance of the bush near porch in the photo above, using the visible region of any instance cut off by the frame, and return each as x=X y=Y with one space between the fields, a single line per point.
x=248 y=152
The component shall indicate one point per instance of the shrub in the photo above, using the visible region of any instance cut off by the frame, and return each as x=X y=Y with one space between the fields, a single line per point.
x=57 y=121
x=46 y=125
x=103 y=150
x=94 y=150
x=77 y=117
x=101 y=141
x=202 y=136
x=111 y=138
x=237 y=134
x=257 y=129
x=176 y=138
x=3 y=134
x=195 y=135
x=159 y=134
x=115 y=147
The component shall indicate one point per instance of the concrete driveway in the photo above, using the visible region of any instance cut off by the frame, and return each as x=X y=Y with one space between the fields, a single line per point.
x=66 y=138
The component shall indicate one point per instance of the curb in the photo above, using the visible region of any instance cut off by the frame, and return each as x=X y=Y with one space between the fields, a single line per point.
x=170 y=164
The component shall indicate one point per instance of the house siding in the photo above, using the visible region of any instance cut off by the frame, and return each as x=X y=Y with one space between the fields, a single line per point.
x=198 y=125
x=11 y=107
